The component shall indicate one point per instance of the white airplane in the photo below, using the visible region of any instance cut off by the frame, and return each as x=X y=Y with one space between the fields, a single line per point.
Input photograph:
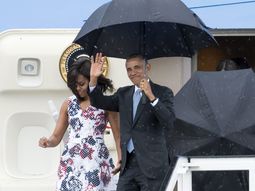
x=32 y=73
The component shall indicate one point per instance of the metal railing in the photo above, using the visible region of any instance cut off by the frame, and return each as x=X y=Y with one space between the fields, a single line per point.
x=182 y=173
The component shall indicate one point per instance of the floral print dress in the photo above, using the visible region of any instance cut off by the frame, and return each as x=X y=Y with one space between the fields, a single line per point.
x=85 y=164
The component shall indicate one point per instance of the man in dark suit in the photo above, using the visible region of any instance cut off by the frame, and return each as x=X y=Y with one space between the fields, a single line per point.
x=146 y=111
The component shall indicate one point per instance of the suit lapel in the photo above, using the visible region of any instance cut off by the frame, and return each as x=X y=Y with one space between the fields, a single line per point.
x=139 y=110
x=129 y=104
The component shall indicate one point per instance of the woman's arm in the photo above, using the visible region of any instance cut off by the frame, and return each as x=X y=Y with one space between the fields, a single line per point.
x=59 y=131
x=113 y=118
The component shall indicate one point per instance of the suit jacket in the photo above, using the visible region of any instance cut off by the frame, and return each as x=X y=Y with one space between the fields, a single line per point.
x=147 y=129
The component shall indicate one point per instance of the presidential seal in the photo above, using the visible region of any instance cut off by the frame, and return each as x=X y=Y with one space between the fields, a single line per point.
x=70 y=55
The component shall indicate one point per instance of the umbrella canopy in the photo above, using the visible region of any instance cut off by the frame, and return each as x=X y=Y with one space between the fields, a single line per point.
x=215 y=115
x=152 y=28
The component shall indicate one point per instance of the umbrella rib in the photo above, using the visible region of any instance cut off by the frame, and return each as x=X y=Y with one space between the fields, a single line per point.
x=209 y=105
x=238 y=106
x=199 y=93
x=184 y=38
x=102 y=18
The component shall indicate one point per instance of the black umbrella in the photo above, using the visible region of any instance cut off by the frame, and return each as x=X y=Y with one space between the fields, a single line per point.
x=215 y=115
x=153 y=28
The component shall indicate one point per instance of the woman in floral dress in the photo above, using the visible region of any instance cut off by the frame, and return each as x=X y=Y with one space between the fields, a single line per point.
x=85 y=164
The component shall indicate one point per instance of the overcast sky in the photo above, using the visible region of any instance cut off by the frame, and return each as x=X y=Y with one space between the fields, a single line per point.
x=71 y=13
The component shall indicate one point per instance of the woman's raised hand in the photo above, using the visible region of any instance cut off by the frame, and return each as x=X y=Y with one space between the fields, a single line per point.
x=97 y=65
